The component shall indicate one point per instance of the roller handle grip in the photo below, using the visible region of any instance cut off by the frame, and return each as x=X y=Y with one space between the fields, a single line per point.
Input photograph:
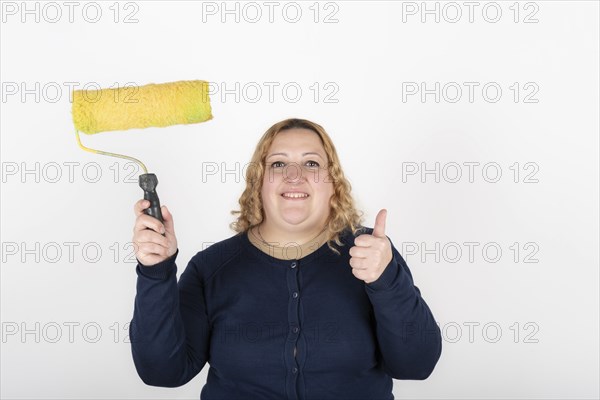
x=148 y=183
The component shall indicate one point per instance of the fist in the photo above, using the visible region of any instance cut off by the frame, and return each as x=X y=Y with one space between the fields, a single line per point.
x=371 y=253
x=153 y=240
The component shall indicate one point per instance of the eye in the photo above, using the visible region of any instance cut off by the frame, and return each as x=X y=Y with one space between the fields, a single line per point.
x=276 y=164
x=313 y=164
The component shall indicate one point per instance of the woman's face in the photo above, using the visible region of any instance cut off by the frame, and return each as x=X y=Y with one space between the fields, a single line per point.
x=296 y=186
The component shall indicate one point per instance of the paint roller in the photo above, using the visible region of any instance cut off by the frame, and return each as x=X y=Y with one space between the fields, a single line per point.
x=139 y=107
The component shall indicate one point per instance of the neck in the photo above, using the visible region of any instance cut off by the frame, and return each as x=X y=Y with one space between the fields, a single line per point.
x=281 y=238
x=288 y=248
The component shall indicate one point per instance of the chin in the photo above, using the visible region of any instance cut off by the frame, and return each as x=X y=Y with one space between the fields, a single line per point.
x=295 y=220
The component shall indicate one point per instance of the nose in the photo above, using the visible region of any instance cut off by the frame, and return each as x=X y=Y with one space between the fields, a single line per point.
x=294 y=173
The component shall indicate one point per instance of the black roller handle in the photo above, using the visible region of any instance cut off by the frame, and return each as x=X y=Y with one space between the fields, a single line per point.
x=148 y=183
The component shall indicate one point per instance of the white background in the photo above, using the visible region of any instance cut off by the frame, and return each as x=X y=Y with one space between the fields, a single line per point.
x=538 y=300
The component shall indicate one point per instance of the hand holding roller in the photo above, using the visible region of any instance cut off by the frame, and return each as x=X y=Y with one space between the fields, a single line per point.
x=153 y=241
x=153 y=105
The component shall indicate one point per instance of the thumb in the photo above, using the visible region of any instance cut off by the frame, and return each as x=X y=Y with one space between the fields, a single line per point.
x=168 y=220
x=379 y=228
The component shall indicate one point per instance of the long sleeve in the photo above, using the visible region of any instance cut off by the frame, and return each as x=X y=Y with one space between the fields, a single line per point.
x=407 y=334
x=169 y=330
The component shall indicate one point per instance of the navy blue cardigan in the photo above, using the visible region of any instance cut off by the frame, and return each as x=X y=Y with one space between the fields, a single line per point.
x=281 y=329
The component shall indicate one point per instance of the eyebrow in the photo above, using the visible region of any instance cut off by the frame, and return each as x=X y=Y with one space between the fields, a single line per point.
x=303 y=154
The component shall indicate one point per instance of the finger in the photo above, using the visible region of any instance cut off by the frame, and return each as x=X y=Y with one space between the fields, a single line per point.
x=357 y=263
x=379 y=228
x=358 y=273
x=149 y=236
x=152 y=249
x=168 y=220
x=148 y=222
x=365 y=240
x=140 y=206
x=144 y=221
x=359 y=252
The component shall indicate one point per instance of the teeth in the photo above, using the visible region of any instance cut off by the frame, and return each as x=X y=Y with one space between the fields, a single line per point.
x=295 y=195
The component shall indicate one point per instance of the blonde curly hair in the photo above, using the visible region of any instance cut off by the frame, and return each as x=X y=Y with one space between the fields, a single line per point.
x=342 y=212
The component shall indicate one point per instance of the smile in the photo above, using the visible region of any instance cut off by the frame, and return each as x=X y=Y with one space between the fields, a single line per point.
x=294 y=195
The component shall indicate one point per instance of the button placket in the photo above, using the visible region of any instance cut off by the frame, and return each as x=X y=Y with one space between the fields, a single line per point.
x=294 y=329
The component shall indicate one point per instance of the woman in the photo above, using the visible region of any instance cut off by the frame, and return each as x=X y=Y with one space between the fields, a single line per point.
x=302 y=303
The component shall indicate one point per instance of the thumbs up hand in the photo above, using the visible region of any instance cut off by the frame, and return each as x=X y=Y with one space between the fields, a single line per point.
x=371 y=253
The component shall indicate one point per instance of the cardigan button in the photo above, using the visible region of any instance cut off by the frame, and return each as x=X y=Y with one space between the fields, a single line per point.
x=293 y=264
x=295 y=370
x=295 y=329
x=295 y=294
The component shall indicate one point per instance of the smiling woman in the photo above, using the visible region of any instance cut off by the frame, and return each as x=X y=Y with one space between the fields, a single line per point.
x=302 y=190
x=304 y=302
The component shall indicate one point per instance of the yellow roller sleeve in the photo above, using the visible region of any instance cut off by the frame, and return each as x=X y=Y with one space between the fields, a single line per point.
x=137 y=107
